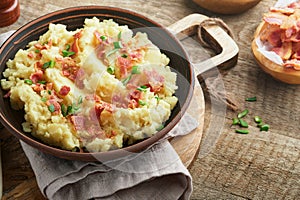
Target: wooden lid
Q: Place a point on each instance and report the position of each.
(10, 13)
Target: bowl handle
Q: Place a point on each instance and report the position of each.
(215, 36)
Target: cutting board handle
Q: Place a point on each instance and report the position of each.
(215, 36)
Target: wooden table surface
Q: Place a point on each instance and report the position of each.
(260, 165)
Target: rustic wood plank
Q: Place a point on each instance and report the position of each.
(260, 165)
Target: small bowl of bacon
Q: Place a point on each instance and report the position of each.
(276, 44)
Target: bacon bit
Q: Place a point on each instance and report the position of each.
(38, 66)
(75, 46)
(78, 122)
(136, 95)
(56, 105)
(133, 104)
(49, 86)
(124, 64)
(39, 46)
(64, 90)
(98, 36)
(136, 56)
(98, 109)
(93, 97)
(7, 95)
(36, 76)
(155, 80)
(79, 78)
(30, 55)
(38, 87)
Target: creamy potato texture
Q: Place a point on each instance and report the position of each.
(97, 88)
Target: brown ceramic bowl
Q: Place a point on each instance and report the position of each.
(73, 18)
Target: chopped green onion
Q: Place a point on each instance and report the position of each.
(235, 121)
(67, 53)
(42, 82)
(242, 131)
(160, 127)
(68, 47)
(44, 99)
(118, 45)
(260, 124)
(243, 114)
(70, 110)
(80, 100)
(28, 81)
(135, 69)
(120, 35)
(264, 127)
(142, 103)
(126, 80)
(51, 108)
(37, 51)
(251, 99)
(257, 119)
(111, 70)
(111, 52)
(243, 123)
(103, 37)
(142, 88)
(49, 92)
(50, 64)
(124, 56)
(157, 98)
(64, 111)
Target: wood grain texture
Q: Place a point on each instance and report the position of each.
(260, 165)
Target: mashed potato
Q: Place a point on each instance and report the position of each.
(97, 88)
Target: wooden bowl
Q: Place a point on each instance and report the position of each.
(279, 72)
(74, 18)
(9, 12)
(227, 6)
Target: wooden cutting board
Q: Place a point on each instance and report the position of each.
(18, 177)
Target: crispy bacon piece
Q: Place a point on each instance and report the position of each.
(30, 55)
(64, 90)
(285, 51)
(274, 18)
(286, 11)
(78, 122)
(156, 80)
(75, 46)
(55, 103)
(294, 63)
(98, 36)
(124, 65)
(272, 34)
(37, 76)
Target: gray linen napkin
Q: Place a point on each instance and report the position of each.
(156, 173)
